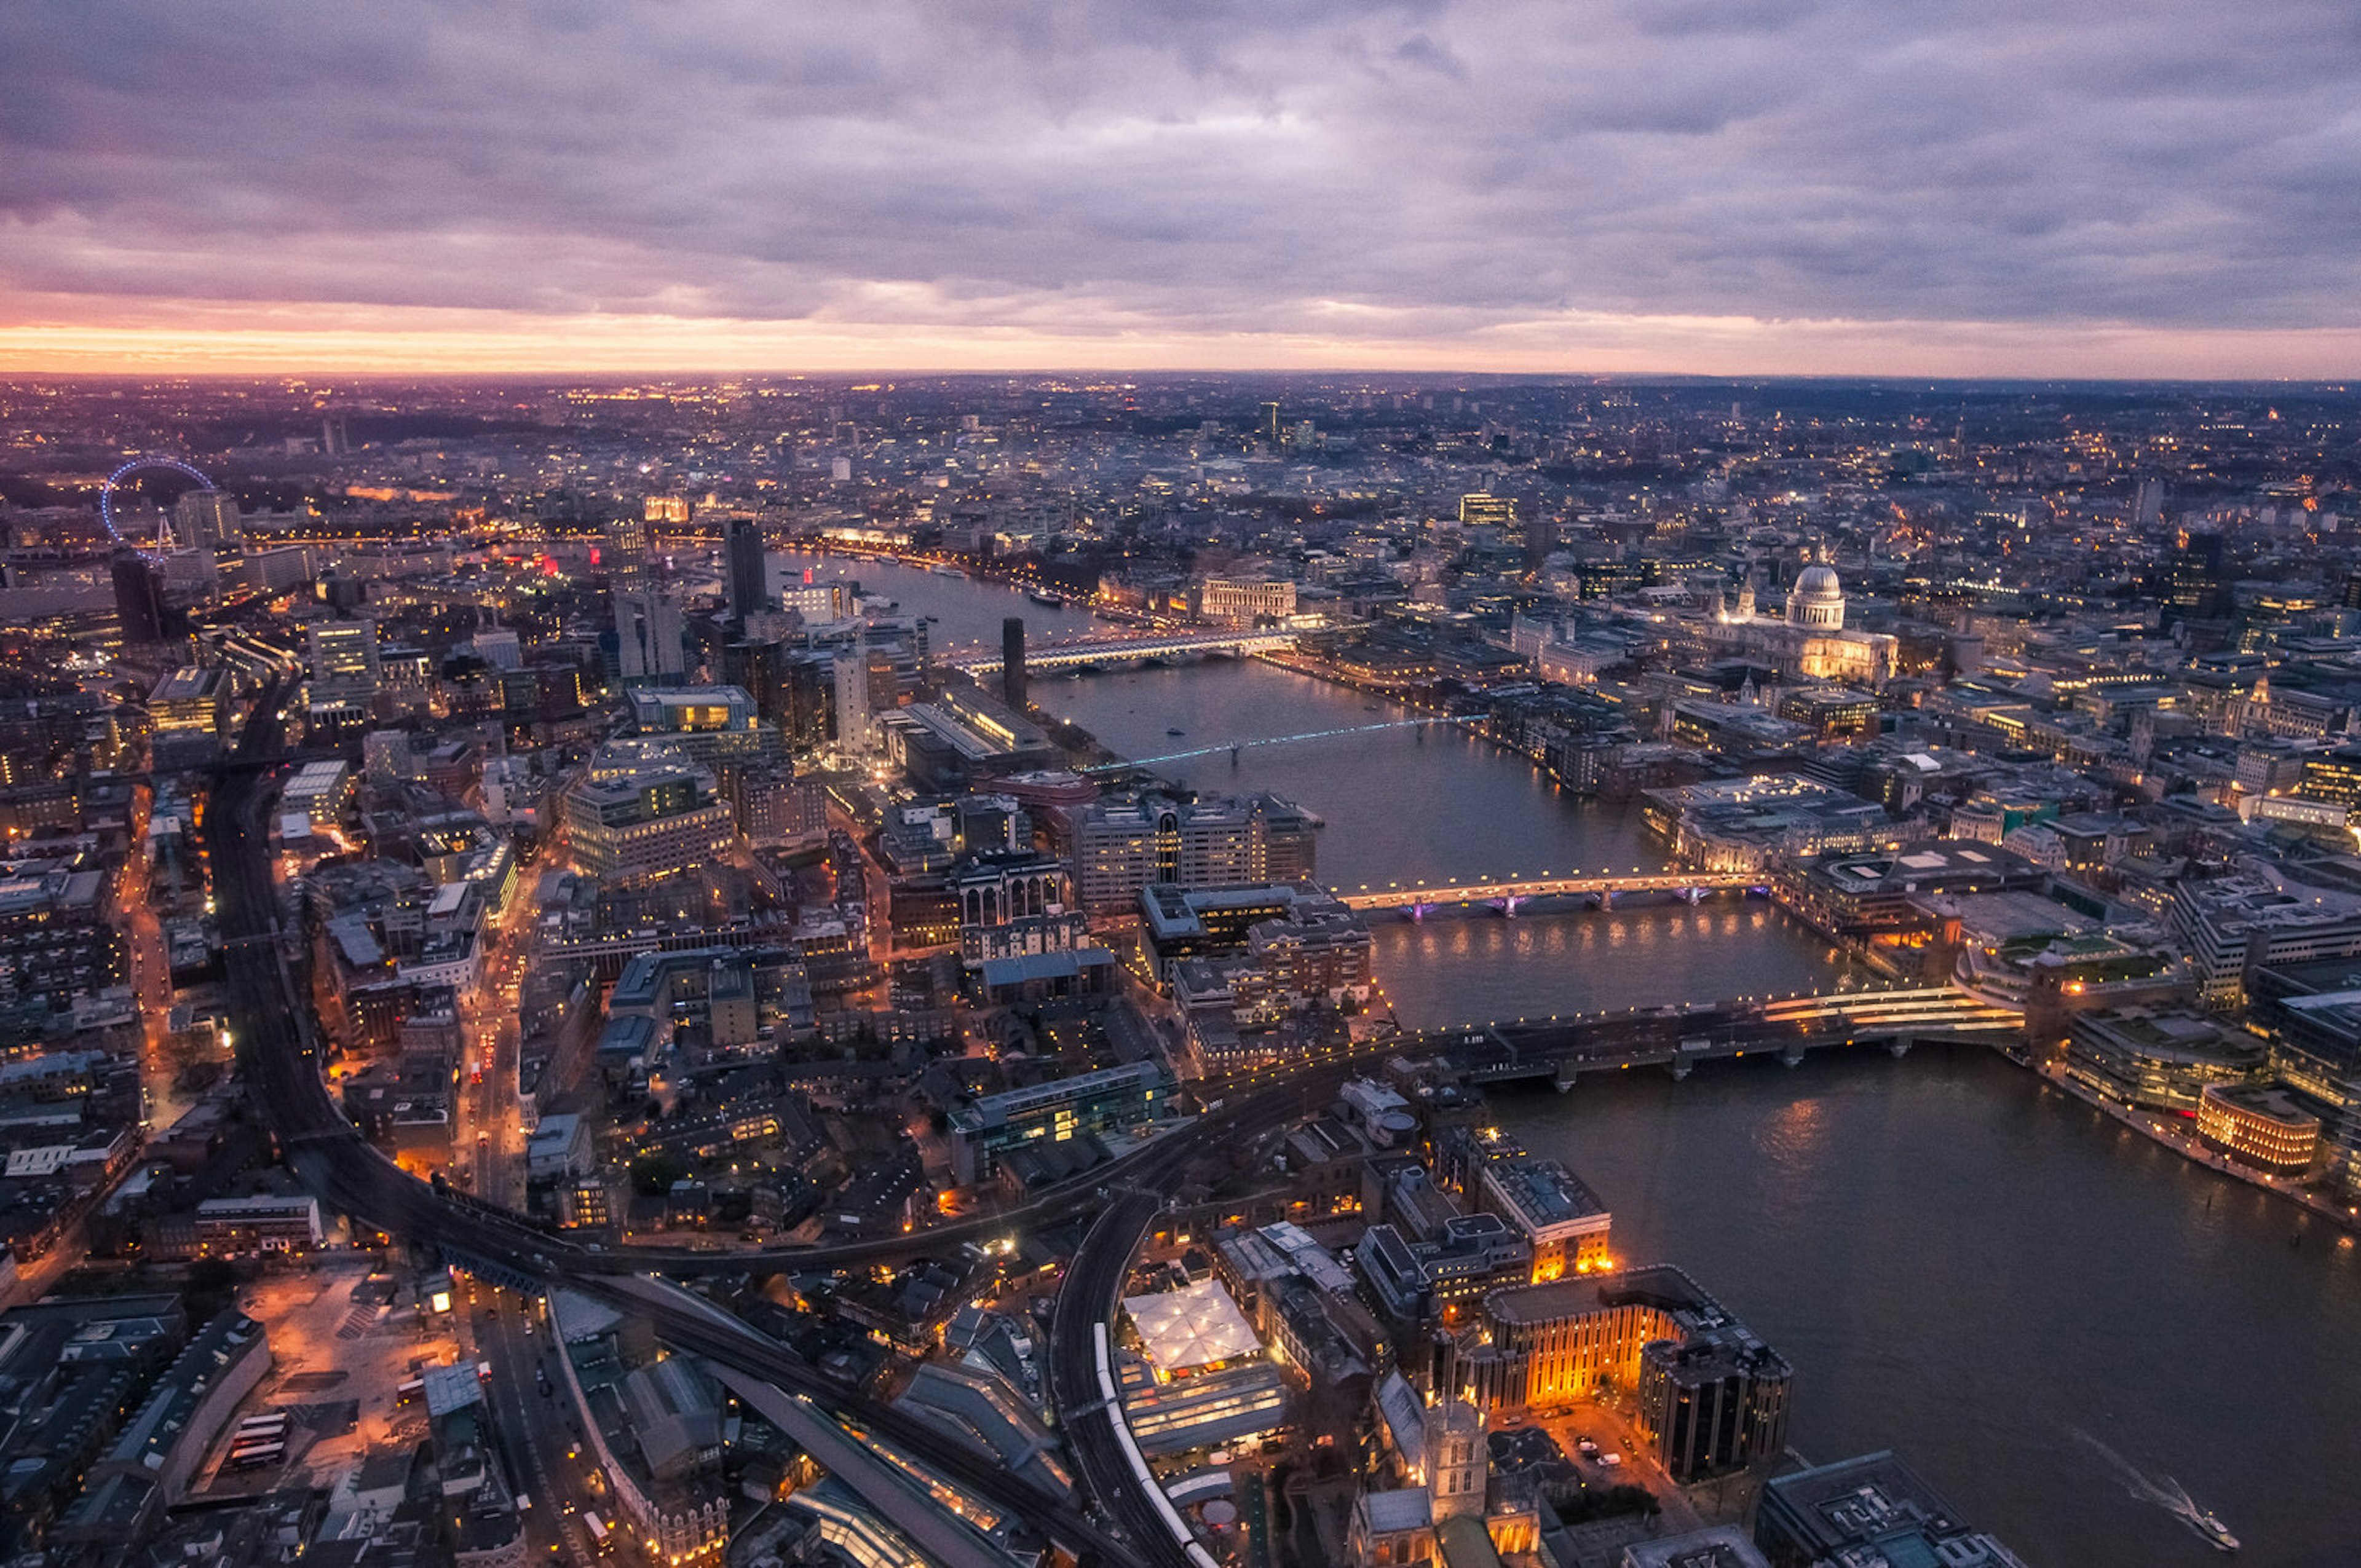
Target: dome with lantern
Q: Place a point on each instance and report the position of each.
(1816, 602)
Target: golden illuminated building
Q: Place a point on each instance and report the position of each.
(1810, 640)
(1552, 1208)
(1709, 1395)
(1482, 510)
(1554, 1343)
(2257, 1126)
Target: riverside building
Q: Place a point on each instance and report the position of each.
(2311, 1014)
(1552, 1208)
(2258, 1126)
(1711, 1395)
(1872, 1508)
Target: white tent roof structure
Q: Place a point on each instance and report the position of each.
(1199, 1326)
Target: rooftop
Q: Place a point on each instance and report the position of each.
(1545, 1193)
(1196, 1326)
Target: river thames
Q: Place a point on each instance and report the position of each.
(2034, 1306)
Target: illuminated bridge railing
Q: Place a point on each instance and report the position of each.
(1576, 883)
(1933, 1005)
(1678, 1035)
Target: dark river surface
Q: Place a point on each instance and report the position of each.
(2043, 1312)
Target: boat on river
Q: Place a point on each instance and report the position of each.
(2204, 1521)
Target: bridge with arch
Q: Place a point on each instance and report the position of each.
(1122, 650)
(1509, 893)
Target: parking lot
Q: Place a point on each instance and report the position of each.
(342, 1344)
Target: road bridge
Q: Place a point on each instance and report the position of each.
(1509, 893)
(1123, 650)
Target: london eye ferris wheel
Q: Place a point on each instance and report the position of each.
(152, 550)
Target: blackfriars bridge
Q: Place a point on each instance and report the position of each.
(1509, 893)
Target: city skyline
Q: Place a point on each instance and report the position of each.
(1809, 189)
(1215, 972)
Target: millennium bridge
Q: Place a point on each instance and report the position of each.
(1121, 650)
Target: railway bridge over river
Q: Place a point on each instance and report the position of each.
(1676, 1037)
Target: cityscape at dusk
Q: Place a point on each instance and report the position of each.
(1758, 187)
(1417, 785)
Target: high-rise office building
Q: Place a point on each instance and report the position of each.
(1483, 510)
(815, 601)
(852, 681)
(2197, 588)
(345, 651)
(706, 724)
(138, 598)
(748, 577)
(623, 553)
(208, 519)
(1540, 538)
(648, 644)
(1012, 662)
(192, 575)
(192, 699)
(1271, 422)
(984, 1133)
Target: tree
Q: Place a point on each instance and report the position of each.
(654, 1174)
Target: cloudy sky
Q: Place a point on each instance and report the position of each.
(2090, 187)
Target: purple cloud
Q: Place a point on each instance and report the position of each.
(1395, 171)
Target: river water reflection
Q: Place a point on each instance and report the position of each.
(2028, 1301)
(1437, 805)
(2031, 1302)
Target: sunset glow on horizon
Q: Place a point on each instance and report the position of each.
(289, 340)
(1801, 187)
